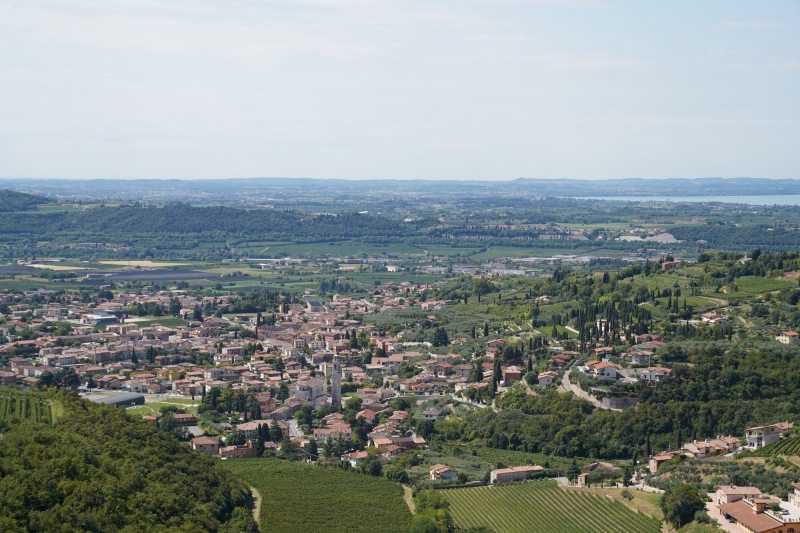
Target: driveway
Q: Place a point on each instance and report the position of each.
(579, 392)
(715, 515)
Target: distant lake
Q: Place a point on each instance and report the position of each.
(770, 199)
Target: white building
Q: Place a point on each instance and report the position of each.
(788, 337)
(654, 374)
(760, 436)
(311, 390)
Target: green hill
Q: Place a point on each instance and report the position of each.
(97, 469)
(19, 201)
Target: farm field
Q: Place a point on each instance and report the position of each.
(139, 263)
(298, 497)
(753, 284)
(27, 406)
(543, 506)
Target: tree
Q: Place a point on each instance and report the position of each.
(313, 451)
(485, 330)
(397, 473)
(371, 466)
(680, 503)
(440, 337)
(275, 432)
(482, 286)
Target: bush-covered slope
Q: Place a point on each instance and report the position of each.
(19, 201)
(99, 470)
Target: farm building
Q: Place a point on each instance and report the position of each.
(122, 400)
(515, 473)
(442, 472)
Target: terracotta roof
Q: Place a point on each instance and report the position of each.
(744, 491)
(205, 440)
(745, 515)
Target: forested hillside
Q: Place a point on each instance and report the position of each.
(99, 470)
(19, 201)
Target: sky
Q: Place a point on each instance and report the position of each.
(378, 89)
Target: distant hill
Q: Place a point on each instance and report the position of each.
(19, 201)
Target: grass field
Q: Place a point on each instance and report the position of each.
(299, 497)
(155, 407)
(543, 506)
(142, 264)
(166, 321)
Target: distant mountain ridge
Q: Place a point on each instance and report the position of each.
(171, 189)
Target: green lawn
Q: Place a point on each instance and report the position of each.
(297, 497)
(543, 506)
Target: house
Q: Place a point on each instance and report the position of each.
(206, 445)
(247, 451)
(433, 413)
(512, 374)
(654, 374)
(702, 448)
(463, 371)
(732, 493)
(638, 357)
(443, 472)
(355, 458)
(657, 460)
(515, 473)
(547, 378)
(753, 514)
(794, 496)
(603, 351)
(788, 337)
(601, 369)
(760, 436)
(712, 318)
(315, 306)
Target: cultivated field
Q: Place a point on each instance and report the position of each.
(543, 506)
(790, 446)
(138, 263)
(298, 497)
(25, 405)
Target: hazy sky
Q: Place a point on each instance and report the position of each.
(480, 89)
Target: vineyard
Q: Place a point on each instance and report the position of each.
(790, 446)
(543, 506)
(298, 497)
(25, 405)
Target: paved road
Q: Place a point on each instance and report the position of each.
(577, 391)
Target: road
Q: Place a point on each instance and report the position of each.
(577, 391)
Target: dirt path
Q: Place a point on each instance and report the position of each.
(408, 496)
(256, 506)
(718, 301)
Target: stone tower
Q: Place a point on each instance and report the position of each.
(336, 383)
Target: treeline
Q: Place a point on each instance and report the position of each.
(19, 201)
(184, 219)
(739, 238)
(97, 469)
(716, 389)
